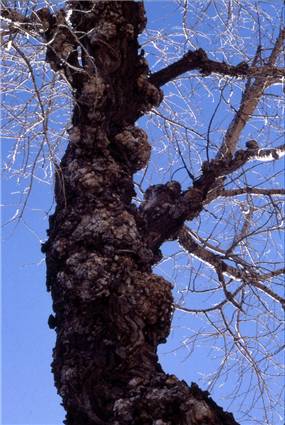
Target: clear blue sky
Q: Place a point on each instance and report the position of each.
(29, 396)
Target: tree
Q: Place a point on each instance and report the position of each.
(111, 310)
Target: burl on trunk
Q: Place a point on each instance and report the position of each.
(111, 311)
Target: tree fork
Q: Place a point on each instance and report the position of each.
(111, 311)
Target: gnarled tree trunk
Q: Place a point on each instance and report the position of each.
(111, 311)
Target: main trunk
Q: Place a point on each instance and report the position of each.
(111, 311)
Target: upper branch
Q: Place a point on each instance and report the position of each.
(198, 59)
(14, 22)
(245, 274)
(250, 98)
(53, 29)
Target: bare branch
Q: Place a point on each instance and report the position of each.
(246, 274)
(16, 22)
(12, 16)
(252, 191)
(198, 59)
(166, 208)
(249, 101)
(60, 41)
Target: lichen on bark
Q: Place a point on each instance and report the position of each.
(111, 311)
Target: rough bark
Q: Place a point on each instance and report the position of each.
(111, 311)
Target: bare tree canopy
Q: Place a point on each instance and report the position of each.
(165, 143)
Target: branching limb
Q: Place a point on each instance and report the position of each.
(53, 29)
(170, 208)
(211, 182)
(244, 274)
(15, 22)
(198, 59)
(13, 18)
(251, 96)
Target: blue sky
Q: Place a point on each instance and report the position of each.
(29, 396)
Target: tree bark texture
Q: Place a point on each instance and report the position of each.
(111, 311)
